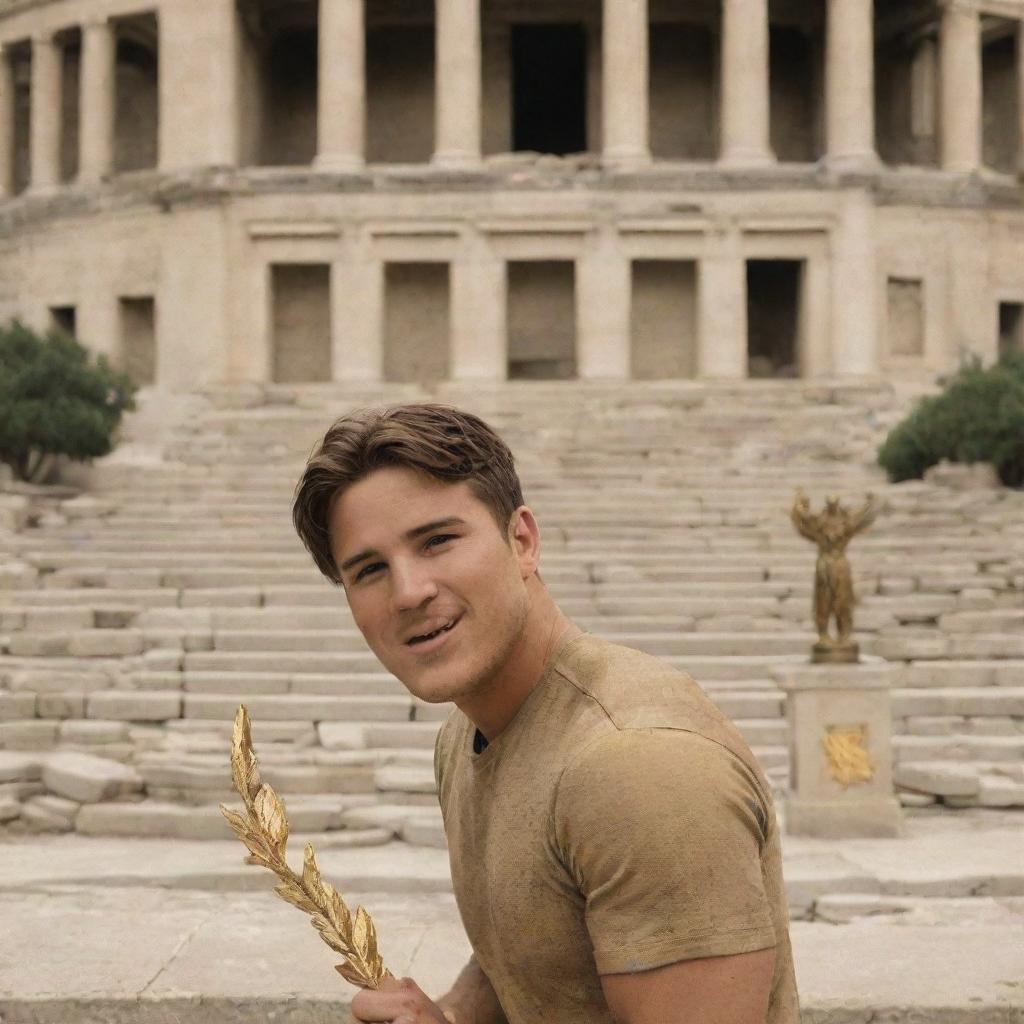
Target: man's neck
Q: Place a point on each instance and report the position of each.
(492, 711)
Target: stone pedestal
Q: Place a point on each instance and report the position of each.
(840, 751)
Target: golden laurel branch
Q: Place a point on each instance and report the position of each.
(264, 830)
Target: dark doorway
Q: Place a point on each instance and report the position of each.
(1011, 328)
(541, 316)
(549, 89)
(63, 318)
(138, 339)
(773, 317)
(417, 321)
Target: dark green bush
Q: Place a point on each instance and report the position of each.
(979, 417)
(55, 399)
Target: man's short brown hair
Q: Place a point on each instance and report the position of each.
(438, 440)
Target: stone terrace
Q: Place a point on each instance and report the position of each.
(134, 619)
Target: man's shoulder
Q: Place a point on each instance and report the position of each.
(635, 690)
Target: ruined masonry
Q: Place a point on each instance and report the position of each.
(135, 618)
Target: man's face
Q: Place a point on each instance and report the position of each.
(416, 556)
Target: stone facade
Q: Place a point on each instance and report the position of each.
(214, 191)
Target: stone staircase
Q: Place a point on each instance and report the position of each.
(135, 618)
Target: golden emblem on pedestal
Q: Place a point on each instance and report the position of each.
(264, 830)
(847, 754)
(832, 529)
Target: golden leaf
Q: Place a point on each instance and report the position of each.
(270, 812)
(264, 831)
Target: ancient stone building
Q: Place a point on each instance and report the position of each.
(357, 190)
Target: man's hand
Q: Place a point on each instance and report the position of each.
(398, 1001)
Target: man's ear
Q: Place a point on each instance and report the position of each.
(524, 539)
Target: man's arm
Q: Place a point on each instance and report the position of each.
(472, 999)
(714, 990)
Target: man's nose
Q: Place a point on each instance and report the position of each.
(411, 585)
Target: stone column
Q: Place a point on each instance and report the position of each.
(341, 115)
(479, 328)
(960, 71)
(45, 114)
(96, 137)
(1020, 98)
(624, 99)
(745, 89)
(602, 310)
(357, 317)
(459, 83)
(722, 309)
(6, 124)
(855, 288)
(199, 84)
(849, 84)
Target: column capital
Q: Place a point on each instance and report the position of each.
(95, 22)
(43, 37)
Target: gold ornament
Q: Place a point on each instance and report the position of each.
(848, 760)
(264, 830)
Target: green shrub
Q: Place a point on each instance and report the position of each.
(55, 399)
(979, 417)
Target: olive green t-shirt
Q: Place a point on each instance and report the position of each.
(619, 823)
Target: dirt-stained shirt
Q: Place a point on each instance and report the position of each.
(619, 823)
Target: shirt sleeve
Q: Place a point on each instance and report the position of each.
(663, 831)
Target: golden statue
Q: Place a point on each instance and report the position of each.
(832, 529)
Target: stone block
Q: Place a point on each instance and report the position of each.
(405, 779)
(126, 706)
(986, 645)
(152, 818)
(342, 735)
(15, 510)
(17, 576)
(938, 778)
(181, 619)
(907, 646)
(50, 680)
(42, 620)
(87, 507)
(9, 810)
(27, 735)
(39, 645)
(105, 643)
(935, 725)
(89, 779)
(60, 705)
(49, 814)
(997, 791)
(20, 767)
(17, 706)
(423, 832)
(910, 799)
(114, 618)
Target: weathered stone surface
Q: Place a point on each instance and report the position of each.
(39, 645)
(17, 706)
(103, 643)
(89, 731)
(937, 778)
(405, 779)
(60, 705)
(27, 735)
(89, 779)
(49, 814)
(52, 680)
(126, 706)
(20, 767)
(996, 791)
(342, 735)
(9, 809)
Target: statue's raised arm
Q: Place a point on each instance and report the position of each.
(806, 524)
(862, 518)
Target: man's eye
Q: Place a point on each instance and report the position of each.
(367, 569)
(441, 538)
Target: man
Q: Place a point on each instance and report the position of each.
(614, 850)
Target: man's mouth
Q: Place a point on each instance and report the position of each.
(424, 637)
